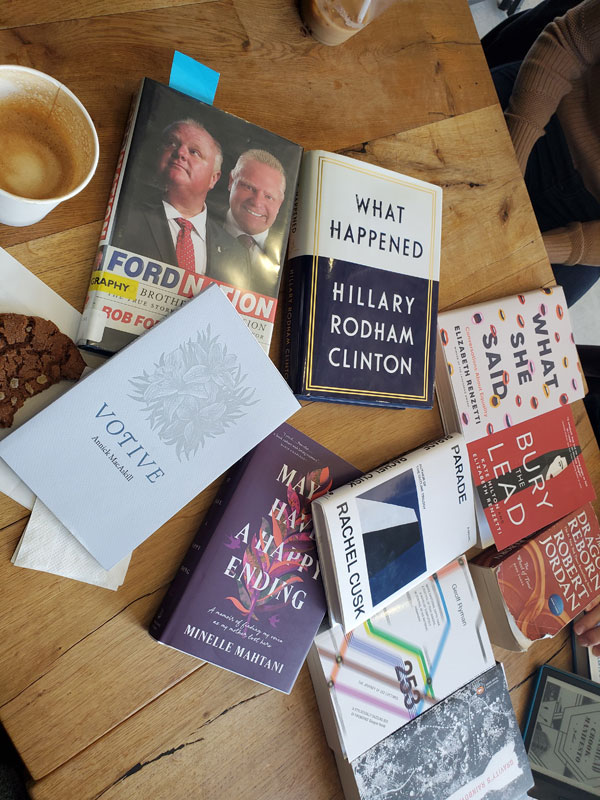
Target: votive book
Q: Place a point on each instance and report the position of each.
(389, 670)
(248, 595)
(126, 448)
(386, 531)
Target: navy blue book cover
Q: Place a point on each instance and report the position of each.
(362, 285)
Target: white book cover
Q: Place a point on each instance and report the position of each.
(126, 448)
(506, 361)
(389, 529)
(411, 655)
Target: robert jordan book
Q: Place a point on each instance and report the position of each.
(248, 595)
(362, 293)
(535, 587)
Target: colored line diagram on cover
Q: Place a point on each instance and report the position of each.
(385, 648)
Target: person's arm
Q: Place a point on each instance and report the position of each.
(559, 56)
(586, 628)
(578, 243)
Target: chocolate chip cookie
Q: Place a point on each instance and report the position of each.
(34, 354)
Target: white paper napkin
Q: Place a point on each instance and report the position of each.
(46, 545)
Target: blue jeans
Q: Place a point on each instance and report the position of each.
(556, 190)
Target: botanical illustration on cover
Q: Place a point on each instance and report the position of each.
(274, 553)
(194, 393)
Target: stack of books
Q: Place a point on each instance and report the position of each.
(506, 373)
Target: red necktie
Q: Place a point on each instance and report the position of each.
(184, 249)
(246, 240)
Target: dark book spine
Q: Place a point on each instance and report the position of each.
(85, 335)
(160, 624)
(293, 328)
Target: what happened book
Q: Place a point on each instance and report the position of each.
(138, 278)
(248, 595)
(505, 361)
(528, 476)
(121, 452)
(533, 588)
(362, 293)
(386, 531)
(389, 670)
(466, 746)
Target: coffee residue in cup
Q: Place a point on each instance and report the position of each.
(35, 156)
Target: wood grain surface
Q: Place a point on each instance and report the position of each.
(96, 707)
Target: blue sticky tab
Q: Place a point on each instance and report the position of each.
(193, 78)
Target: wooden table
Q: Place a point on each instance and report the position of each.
(93, 704)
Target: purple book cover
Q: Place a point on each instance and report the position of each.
(248, 596)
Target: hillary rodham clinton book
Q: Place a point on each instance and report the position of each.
(363, 273)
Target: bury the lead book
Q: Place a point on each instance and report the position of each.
(383, 533)
(362, 293)
(199, 196)
(120, 453)
(248, 596)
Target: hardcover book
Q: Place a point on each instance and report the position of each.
(415, 652)
(383, 533)
(248, 596)
(363, 274)
(466, 746)
(121, 452)
(505, 361)
(534, 588)
(528, 476)
(199, 197)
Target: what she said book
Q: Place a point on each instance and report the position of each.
(248, 596)
(363, 275)
(126, 448)
(384, 532)
(505, 361)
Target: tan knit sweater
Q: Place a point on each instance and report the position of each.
(561, 73)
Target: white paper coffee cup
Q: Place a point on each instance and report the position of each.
(48, 145)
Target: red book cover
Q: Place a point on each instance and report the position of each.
(528, 476)
(548, 579)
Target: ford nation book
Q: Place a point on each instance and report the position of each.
(231, 182)
(248, 596)
(362, 294)
(533, 588)
(116, 456)
(528, 476)
(415, 652)
(383, 533)
(505, 361)
(467, 747)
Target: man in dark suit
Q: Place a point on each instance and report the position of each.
(175, 227)
(256, 192)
